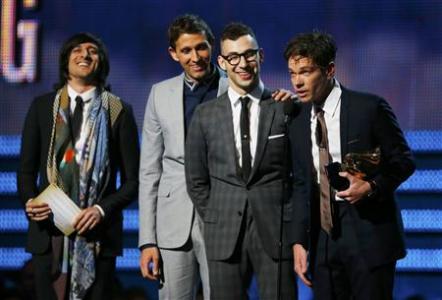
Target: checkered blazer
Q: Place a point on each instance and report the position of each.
(217, 188)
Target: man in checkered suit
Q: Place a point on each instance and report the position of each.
(236, 170)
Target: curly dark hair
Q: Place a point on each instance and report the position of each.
(318, 46)
(102, 71)
(188, 24)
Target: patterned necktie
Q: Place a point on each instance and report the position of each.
(77, 117)
(245, 138)
(324, 159)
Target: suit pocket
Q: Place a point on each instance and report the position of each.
(276, 136)
(210, 216)
(275, 147)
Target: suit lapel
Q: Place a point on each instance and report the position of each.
(344, 122)
(176, 107)
(266, 114)
(226, 131)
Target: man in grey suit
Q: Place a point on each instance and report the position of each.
(237, 176)
(169, 227)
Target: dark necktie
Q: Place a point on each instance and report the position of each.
(245, 138)
(324, 159)
(77, 117)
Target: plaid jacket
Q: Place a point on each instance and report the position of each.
(215, 184)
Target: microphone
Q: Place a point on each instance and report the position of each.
(292, 108)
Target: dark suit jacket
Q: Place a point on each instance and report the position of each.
(367, 121)
(216, 187)
(124, 157)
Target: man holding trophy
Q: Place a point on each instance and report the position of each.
(349, 156)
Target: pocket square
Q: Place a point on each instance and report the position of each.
(275, 136)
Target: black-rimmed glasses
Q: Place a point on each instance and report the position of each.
(235, 58)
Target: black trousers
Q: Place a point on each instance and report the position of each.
(229, 279)
(340, 270)
(101, 289)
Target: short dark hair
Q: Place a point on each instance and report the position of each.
(318, 46)
(235, 30)
(102, 71)
(190, 24)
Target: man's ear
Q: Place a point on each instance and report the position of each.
(261, 55)
(222, 63)
(330, 71)
(172, 53)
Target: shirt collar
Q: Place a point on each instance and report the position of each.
(255, 95)
(86, 96)
(192, 84)
(333, 99)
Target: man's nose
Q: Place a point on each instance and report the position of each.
(297, 81)
(85, 53)
(194, 55)
(242, 61)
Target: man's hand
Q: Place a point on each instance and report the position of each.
(87, 219)
(282, 95)
(357, 190)
(300, 263)
(150, 255)
(37, 212)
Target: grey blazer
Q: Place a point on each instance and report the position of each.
(217, 189)
(165, 209)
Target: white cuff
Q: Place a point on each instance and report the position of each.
(100, 210)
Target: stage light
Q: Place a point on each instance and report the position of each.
(13, 220)
(8, 183)
(422, 220)
(423, 181)
(9, 145)
(13, 258)
(421, 260)
(419, 141)
(415, 220)
(424, 140)
(417, 260)
(420, 181)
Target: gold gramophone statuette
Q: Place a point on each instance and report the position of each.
(362, 165)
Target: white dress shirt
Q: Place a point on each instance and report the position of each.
(87, 97)
(332, 114)
(254, 109)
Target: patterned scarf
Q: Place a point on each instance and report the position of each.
(83, 182)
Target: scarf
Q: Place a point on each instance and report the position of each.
(83, 182)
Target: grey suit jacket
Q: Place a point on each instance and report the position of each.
(216, 187)
(165, 210)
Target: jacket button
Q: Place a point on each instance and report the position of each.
(240, 213)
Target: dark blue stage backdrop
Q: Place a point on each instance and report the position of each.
(392, 48)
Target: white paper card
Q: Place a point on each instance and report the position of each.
(64, 209)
